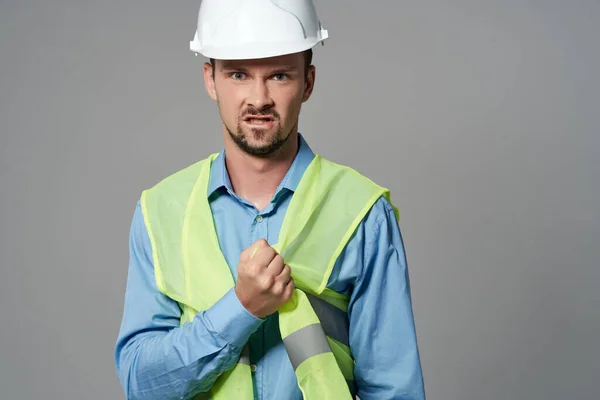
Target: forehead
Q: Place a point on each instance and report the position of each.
(288, 61)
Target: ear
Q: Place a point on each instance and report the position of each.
(209, 80)
(309, 83)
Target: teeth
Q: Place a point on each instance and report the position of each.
(257, 121)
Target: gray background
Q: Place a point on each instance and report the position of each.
(482, 117)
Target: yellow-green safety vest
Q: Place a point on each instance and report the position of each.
(326, 208)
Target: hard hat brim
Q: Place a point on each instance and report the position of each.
(254, 50)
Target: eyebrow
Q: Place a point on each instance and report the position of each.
(231, 67)
(286, 68)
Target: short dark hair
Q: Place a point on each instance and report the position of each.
(308, 55)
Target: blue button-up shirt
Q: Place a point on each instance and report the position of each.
(157, 359)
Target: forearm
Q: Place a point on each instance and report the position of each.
(180, 362)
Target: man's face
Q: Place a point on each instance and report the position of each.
(259, 100)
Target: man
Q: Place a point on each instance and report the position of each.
(265, 271)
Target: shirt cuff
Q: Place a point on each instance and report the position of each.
(230, 319)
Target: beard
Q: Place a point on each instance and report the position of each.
(268, 145)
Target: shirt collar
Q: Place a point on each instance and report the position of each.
(219, 178)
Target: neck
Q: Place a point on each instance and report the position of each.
(254, 178)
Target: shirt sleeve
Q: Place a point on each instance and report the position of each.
(382, 328)
(155, 357)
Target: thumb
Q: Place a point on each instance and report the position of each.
(254, 248)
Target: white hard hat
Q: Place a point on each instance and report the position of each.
(246, 29)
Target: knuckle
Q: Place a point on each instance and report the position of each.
(278, 260)
(267, 282)
(278, 289)
(270, 252)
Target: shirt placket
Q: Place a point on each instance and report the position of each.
(259, 230)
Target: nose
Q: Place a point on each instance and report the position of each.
(259, 96)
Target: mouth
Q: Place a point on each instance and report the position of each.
(259, 120)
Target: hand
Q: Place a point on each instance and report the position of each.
(264, 282)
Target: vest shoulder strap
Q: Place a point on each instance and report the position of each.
(330, 202)
(164, 207)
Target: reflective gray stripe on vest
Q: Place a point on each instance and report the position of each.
(305, 343)
(334, 321)
(245, 355)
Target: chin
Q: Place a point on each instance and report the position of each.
(261, 136)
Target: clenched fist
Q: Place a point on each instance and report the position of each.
(264, 282)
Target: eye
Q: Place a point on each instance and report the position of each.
(238, 75)
(280, 77)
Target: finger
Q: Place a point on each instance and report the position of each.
(285, 275)
(275, 266)
(289, 290)
(281, 282)
(284, 278)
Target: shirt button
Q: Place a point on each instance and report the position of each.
(253, 368)
(259, 219)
